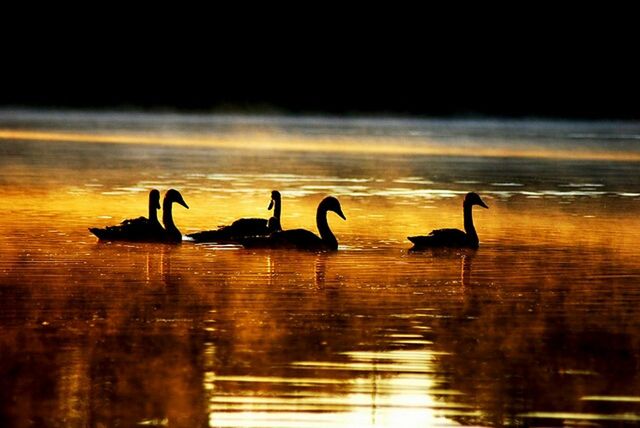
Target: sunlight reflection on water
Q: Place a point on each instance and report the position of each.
(539, 326)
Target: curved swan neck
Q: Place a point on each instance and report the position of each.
(323, 227)
(469, 228)
(167, 218)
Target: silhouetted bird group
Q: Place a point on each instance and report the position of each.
(268, 233)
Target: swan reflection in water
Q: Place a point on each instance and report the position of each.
(310, 268)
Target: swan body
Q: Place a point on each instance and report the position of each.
(149, 229)
(303, 239)
(453, 238)
(138, 229)
(244, 227)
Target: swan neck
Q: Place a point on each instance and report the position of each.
(274, 221)
(323, 227)
(153, 213)
(469, 228)
(167, 218)
(277, 209)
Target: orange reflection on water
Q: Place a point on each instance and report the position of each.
(372, 221)
(273, 140)
(269, 338)
(529, 328)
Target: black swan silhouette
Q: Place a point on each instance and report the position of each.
(453, 238)
(171, 232)
(300, 238)
(244, 227)
(147, 229)
(137, 229)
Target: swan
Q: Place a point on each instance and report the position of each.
(147, 230)
(300, 238)
(171, 232)
(453, 237)
(244, 227)
(137, 229)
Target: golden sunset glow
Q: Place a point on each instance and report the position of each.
(524, 330)
(277, 141)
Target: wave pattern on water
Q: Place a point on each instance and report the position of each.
(539, 326)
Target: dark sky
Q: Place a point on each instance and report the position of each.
(590, 78)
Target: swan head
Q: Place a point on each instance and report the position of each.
(332, 204)
(154, 199)
(174, 196)
(275, 196)
(473, 198)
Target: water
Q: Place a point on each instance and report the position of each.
(539, 327)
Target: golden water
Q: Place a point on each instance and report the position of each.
(540, 326)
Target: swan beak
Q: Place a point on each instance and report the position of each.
(483, 205)
(158, 205)
(339, 212)
(270, 204)
(183, 203)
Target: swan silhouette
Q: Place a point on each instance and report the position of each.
(453, 238)
(171, 232)
(137, 229)
(244, 227)
(147, 229)
(300, 238)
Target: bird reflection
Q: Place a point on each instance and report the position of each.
(467, 262)
(279, 264)
(158, 262)
(472, 295)
(320, 270)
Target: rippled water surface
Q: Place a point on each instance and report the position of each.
(539, 327)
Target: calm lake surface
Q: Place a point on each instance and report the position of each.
(539, 327)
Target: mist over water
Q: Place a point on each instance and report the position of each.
(540, 326)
